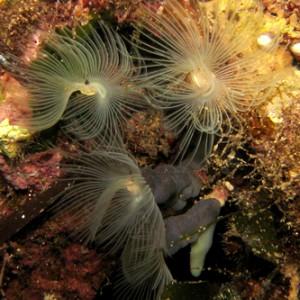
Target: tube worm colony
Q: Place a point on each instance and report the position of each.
(202, 68)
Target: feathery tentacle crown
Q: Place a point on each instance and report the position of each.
(204, 66)
(86, 81)
(115, 208)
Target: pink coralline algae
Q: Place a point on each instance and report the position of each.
(37, 171)
(46, 265)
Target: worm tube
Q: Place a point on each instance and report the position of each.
(172, 185)
(184, 229)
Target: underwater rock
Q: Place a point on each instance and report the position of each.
(37, 170)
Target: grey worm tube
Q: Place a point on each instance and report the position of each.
(196, 227)
(202, 214)
(172, 185)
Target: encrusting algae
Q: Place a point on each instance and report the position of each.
(11, 136)
(215, 74)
